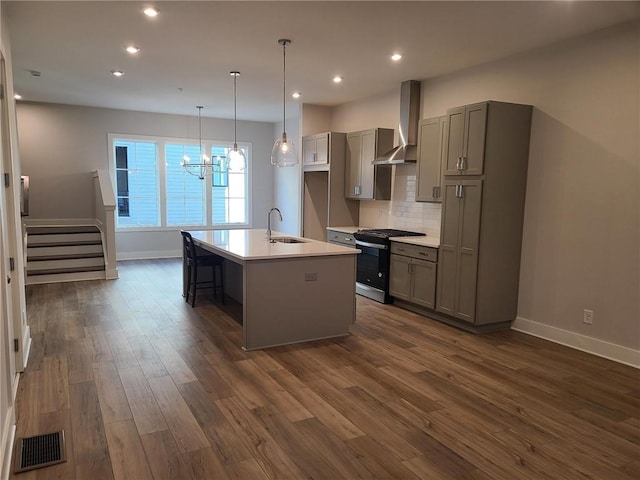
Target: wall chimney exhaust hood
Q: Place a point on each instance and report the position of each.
(407, 151)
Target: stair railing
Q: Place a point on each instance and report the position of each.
(105, 217)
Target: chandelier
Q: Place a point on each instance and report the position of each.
(205, 166)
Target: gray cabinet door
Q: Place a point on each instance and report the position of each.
(475, 127)
(400, 277)
(352, 177)
(308, 150)
(367, 170)
(466, 140)
(458, 255)
(423, 287)
(322, 149)
(455, 141)
(470, 201)
(432, 134)
(315, 149)
(448, 251)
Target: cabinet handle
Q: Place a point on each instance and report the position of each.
(458, 191)
(422, 253)
(434, 192)
(459, 164)
(438, 190)
(315, 157)
(461, 191)
(400, 249)
(463, 163)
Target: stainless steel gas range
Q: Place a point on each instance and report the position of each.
(374, 261)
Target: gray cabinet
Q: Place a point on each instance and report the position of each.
(365, 181)
(482, 214)
(315, 149)
(323, 201)
(465, 146)
(413, 274)
(432, 141)
(459, 248)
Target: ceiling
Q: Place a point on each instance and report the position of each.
(189, 49)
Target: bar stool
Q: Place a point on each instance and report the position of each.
(195, 260)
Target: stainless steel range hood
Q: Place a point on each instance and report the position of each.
(407, 151)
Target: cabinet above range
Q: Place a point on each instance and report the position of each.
(364, 181)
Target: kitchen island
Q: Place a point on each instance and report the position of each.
(291, 292)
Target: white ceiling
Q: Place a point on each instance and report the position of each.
(193, 45)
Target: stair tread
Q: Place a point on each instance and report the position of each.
(56, 230)
(65, 270)
(65, 244)
(69, 256)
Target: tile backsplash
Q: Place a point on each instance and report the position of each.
(402, 211)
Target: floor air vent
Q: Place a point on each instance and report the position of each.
(39, 451)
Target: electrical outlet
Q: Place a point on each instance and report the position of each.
(588, 317)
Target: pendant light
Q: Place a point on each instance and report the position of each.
(284, 151)
(204, 166)
(236, 159)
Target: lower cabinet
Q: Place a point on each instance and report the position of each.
(413, 274)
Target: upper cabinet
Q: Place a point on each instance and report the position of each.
(315, 149)
(365, 181)
(324, 204)
(465, 146)
(432, 141)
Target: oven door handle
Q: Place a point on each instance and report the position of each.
(371, 245)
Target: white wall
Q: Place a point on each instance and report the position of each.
(581, 236)
(287, 183)
(61, 145)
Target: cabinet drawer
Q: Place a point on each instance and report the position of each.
(415, 251)
(341, 238)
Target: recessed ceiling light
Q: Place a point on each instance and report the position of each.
(117, 73)
(151, 12)
(337, 79)
(17, 96)
(396, 56)
(296, 94)
(132, 49)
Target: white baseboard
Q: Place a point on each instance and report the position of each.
(111, 273)
(601, 348)
(6, 448)
(149, 255)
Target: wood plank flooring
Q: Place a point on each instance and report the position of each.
(148, 388)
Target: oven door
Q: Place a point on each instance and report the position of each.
(373, 265)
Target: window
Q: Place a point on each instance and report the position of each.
(154, 190)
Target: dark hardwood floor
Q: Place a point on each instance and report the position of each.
(147, 387)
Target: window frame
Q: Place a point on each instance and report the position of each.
(160, 142)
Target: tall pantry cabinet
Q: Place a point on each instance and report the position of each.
(485, 170)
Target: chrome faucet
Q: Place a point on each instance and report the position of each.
(269, 223)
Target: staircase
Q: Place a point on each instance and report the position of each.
(64, 254)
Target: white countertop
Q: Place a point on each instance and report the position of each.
(422, 241)
(252, 244)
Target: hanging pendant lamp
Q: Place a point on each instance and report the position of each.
(236, 159)
(204, 166)
(284, 151)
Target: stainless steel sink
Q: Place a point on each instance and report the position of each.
(287, 240)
